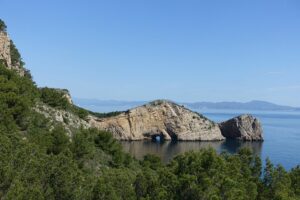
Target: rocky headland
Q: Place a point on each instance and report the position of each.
(171, 121)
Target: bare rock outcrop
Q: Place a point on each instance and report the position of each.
(5, 54)
(5, 48)
(66, 94)
(243, 127)
(160, 118)
(68, 120)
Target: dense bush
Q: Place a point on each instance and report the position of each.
(56, 99)
(2, 26)
(16, 58)
(80, 112)
(17, 96)
(105, 115)
(85, 168)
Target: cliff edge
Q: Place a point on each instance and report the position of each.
(170, 121)
(9, 55)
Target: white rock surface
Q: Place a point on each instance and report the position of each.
(5, 54)
(160, 118)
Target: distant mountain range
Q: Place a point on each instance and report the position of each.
(114, 105)
(252, 105)
(107, 105)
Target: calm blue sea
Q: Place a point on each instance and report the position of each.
(281, 133)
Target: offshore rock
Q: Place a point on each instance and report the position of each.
(243, 127)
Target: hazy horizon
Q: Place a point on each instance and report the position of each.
(149, 100)
(185, 51)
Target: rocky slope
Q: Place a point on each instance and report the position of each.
(69, 120)
(165, 119)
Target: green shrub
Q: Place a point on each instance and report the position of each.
(2, 26)
(16, 58)
(54, 98)
(106, 115)
(80, 112)
(17, 96)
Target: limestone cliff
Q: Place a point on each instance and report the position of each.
(7, 48)
(160, 118)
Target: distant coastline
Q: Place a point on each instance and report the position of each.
(116, 105)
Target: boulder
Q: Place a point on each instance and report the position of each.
(243, 127)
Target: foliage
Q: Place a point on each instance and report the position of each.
(16, 58)
(56, 98)
(106, 115)
(2, 26)
(80, 112)
(17, 96)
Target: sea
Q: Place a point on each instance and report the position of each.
(281, 138)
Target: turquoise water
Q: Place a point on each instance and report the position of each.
(281, 134)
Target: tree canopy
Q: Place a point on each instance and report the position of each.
(2, 25)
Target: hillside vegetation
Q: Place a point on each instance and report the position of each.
(40, 160)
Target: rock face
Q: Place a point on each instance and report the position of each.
(160, 118)
(5, 48)
(244, 127)
(69, 120)
(5, 54)
(68, 97)
(66, 94)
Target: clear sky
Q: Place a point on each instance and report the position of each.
(183, 50)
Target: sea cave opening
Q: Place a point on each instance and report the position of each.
(162, 138)
(158, 138)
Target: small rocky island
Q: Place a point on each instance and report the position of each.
(170, 121)
(244, 127)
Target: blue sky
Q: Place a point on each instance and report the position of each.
(191, 50)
